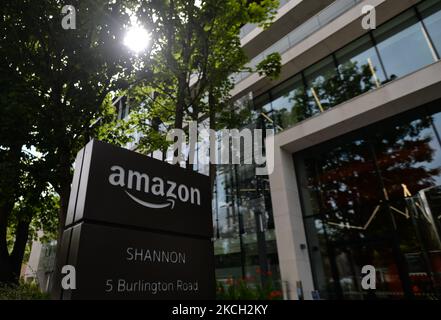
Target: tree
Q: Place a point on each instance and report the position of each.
(57, 86)
(34, 212)
(17, 105)
(83, 66)
(54, 82)
(187, 73)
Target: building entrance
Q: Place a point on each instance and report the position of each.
(373, 197)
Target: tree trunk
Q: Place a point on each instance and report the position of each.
(180, 103)
(6, 206)
(21, 239)
(179, 112)
(6, 270)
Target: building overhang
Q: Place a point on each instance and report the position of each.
(322, 43)
(288, 17)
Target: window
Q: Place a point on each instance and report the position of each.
(397, 48)
(322, 86)
(289, 102)
(360, 67)
(431, 13)
(403, 46)
(262, 103)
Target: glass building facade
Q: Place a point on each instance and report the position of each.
(373, 197)
(369, 197)
(245, 244)
(395, 49)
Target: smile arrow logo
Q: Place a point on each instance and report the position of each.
(170, 202)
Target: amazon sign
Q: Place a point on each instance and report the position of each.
(136, 223)
(155, 186)
(115, 185)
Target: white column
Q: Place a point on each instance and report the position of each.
(290, 234)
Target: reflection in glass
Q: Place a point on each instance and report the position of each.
(245, 245)
(403, 46)
(319, 256)
(289, 103)
(264, 114)
(342, 185)
(374, 197)
(322, 79)
(360, 67)
(350, 261)
(431, 12)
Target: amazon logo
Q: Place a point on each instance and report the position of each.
(168, 192)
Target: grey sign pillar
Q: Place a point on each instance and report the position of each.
(136, 228)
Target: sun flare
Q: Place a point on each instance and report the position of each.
(137, 38)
